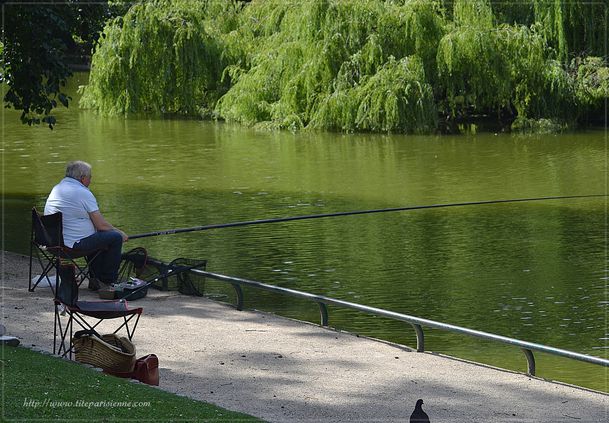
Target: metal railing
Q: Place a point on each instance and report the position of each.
(417, 322)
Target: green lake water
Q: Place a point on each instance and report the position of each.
(534, 271)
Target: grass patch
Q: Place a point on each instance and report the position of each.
(41, 387)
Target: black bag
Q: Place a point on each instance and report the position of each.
(67, 292)
(133, 289)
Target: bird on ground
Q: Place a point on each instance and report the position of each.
(418, 415)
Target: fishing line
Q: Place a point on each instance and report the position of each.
(356, 212)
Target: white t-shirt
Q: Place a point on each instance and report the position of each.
(75, 202)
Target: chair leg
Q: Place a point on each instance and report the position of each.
(83, 323)
(49, 263)
(71, 336)
(56, 263)
(83, 272)
(59, 347)
(31, 258)
(56, 317)
(45, 271)
(125, 325)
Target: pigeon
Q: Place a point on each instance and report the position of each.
(418, 415)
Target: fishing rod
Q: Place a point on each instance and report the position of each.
(356, 212)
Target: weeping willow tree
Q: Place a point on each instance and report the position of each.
(473, 69)
(162, 57)
(369, 65)
(572, 27)
(515, 70)
(356, 66)
(395, 98)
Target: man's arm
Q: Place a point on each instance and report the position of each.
(102, 224)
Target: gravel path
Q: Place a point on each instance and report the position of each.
(287, 371)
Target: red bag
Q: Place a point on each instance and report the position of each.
(146, 370)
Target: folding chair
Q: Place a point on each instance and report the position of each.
(86, 314)
(46, 244)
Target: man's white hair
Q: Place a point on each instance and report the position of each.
(77, 169)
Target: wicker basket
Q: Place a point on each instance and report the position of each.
(110, 352)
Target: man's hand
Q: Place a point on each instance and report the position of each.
(125, 236)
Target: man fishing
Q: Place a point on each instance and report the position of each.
(84, 227)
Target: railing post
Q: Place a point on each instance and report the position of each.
(530, 361)
(323, 311)
(420, 337)
(239, 293)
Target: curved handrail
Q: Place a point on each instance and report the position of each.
(417, 322)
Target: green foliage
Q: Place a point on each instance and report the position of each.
(513, 12)
(335, 64)
(392, 100)
(472, 66)
(367, 65)
(591, 86)
(473, 13)
(540, 85)
(592, 80)
(486, 67)
(573, 28)
(39, 42)
(160, 58)
(537, 126)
